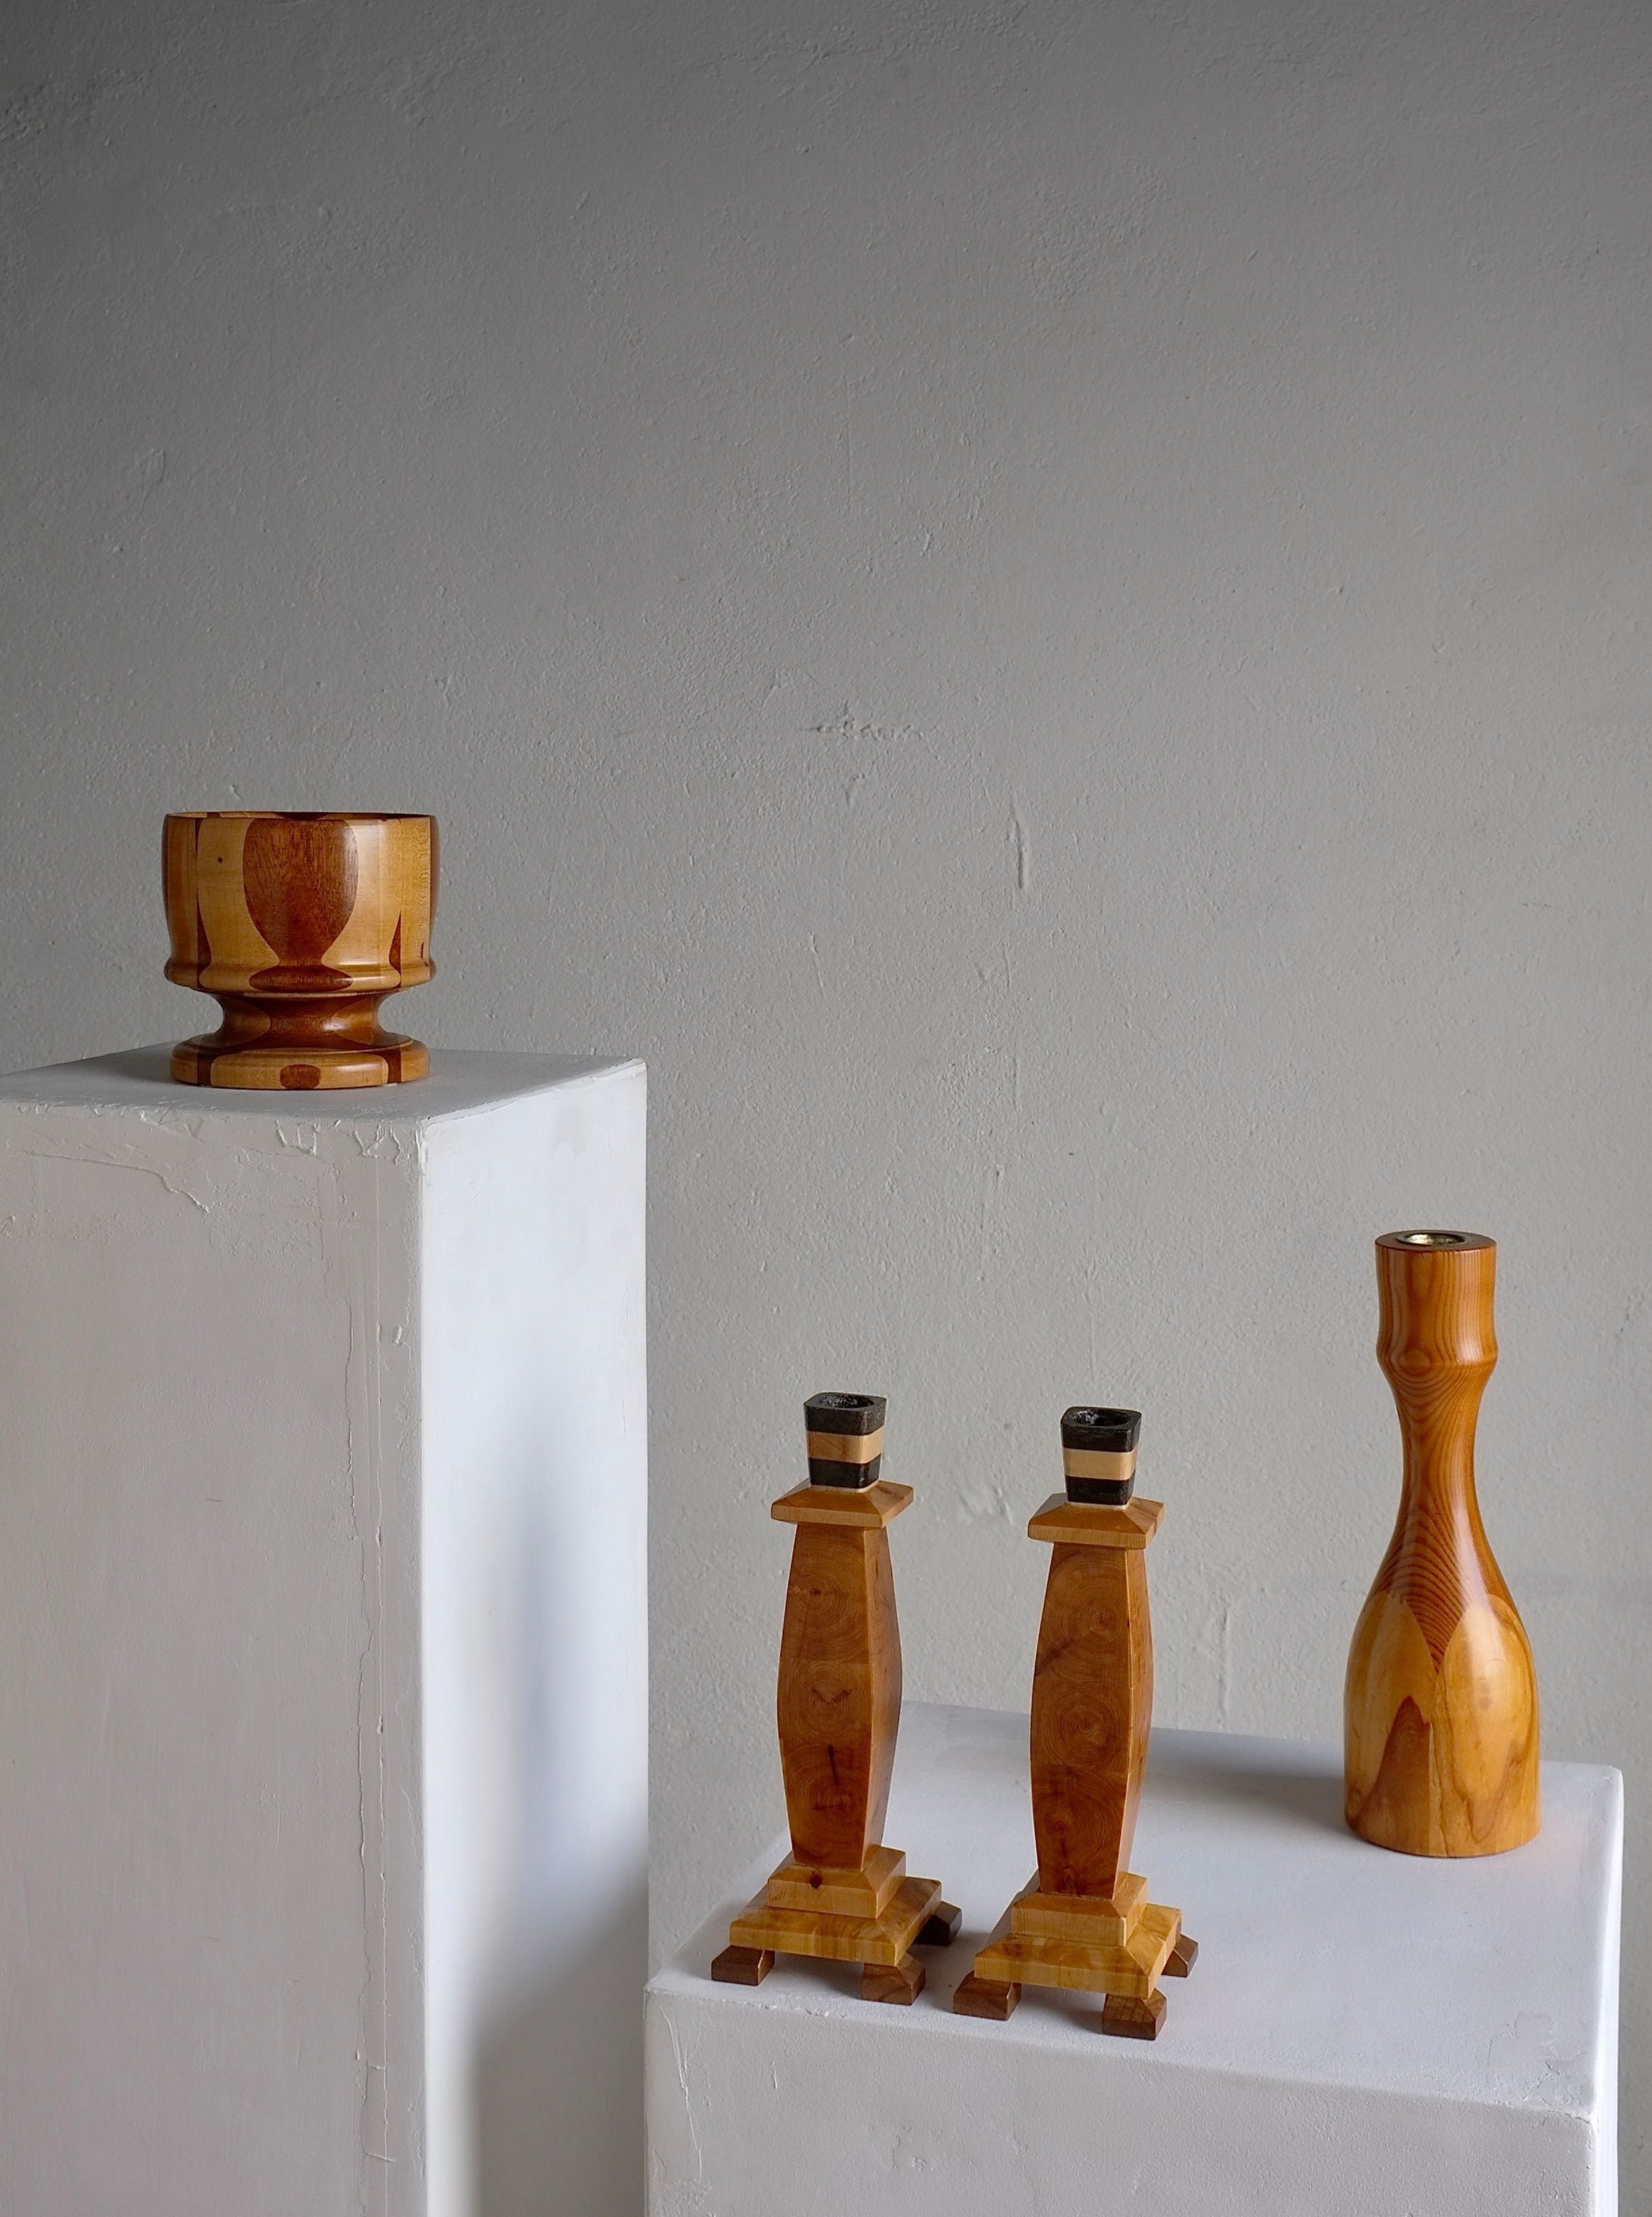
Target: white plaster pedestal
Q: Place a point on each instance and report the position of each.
(322, 1684)
(1364, 2035)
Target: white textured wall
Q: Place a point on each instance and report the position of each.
(1045, 605)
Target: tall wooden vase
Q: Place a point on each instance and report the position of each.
(1441, 1705)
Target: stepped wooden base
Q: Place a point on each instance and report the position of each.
(1120, 1947)
(873, 1917)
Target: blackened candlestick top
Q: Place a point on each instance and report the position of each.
(844, 1435)
(1098, 1454)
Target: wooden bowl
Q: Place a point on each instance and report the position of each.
(299, 926)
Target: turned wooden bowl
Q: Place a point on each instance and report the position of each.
(299, 926)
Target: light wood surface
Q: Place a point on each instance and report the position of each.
(1132, 1966)
(1441, 1700)
(839, 1692)
(883, 1940)
(844, 1447)
(1092, 1712)
(1107, 1920)
(842, 1895)
(1094, 1524)
(1115, 1467)
(1084, 1922)
(866, 1891)
(873, 1506)
(299, 926)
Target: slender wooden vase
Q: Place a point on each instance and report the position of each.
(841, 1895)
(1084, 1921)
(299, 926)
(1441, 1708)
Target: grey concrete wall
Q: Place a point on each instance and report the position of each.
(1045, 605)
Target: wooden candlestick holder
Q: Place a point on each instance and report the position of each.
(841, 1896)
(299, 926)
(1083, 1920)
(1441, 1703)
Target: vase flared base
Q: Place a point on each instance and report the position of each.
(285, 1070)
(320, 1043)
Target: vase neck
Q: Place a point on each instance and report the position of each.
(1438, 1416)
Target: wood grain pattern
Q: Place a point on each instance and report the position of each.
(992, 1998)
(1096, 1524)
(866, 1891)
(872, 1506)
(1084, 1922)
(300, 926)
(298, 880)
(1108, 1919)
(900, 1983)
(884, 1939)
(1441, 1703)
(839, 1692)
(1092, 1711)
(1127, 1967)
(844, 1447)
(742, 1966)
(1132, 2016)
(842, 1896)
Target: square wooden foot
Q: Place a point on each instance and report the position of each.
(900, 1982)
(1181, 1958)
(988, 1998)
(1133, 2017)
(742, 1966)
(941, 1928)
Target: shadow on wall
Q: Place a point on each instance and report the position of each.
(567, 2050)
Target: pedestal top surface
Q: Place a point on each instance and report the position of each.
(1322, 1960)
(461, 1081)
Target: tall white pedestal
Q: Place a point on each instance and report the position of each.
(1364, 2035)
(322, 1683)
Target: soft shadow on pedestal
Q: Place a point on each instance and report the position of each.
(1310, 1794)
